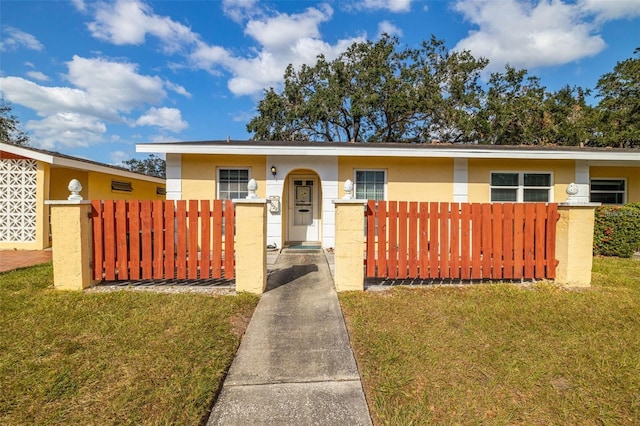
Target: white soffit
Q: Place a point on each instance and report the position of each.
(383, 151)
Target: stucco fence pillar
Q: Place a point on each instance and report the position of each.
(72, 241)
(251, 244)
(349, 249)
(574, 244)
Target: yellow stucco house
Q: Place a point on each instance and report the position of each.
(30, 176)
(302, 178)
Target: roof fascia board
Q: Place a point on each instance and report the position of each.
(385, 152)
(24, 152)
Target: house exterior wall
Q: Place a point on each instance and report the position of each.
(631, 174)
(415, 179)
(479, 172)
(200, 173)
(99, 188)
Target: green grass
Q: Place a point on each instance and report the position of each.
(112, 358)
(502, 354)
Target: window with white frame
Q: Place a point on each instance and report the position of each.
(232, 183)
(608, 191)
(518, 187)
(369, 184)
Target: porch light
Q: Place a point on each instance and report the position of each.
(274, 171)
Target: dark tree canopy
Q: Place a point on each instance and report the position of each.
(10, 127)
(152, 166)
(379, 92)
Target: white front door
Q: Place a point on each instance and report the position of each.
(304, 208)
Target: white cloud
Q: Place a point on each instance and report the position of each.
(100, 92)
(164, 118)
(386, 27)
(239, 10)
(129, 21)
(606, 10)
(117, 157)
(37, 75)
(15, 39)
(390, 5)
(67, 129)
(79, 5)
(527, 35)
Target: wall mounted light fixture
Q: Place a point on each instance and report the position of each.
(274, 171)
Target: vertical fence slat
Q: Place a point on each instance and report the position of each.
(476, 243)
(393, 239)
(465, 242)
(529, 239)
(121, 240)
(402, 239)
(371, 238)
(413, 240)
(109, 240)
(518, 241)
(169, 239)
(552, 219)
(158, 239)
(496, 267)
(205, 243)
(134, 239)
(455, 240)
(487, 246)
(381, 215)
(181, 231)
(434, 247)
(147, 249)
(216, 261)
(507, 240)
(540, 243)
(230, 215)
(424, 240)
(192, 240)
(444, 240)
(98, 243)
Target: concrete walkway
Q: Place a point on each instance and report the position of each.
(294, 365)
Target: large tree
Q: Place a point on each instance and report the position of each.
(10, 127)
(619, 106)
(375, 92)
(152, 166)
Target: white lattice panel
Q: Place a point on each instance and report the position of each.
(18, 187)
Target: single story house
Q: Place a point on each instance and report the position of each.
(29, 176)
(300, 179)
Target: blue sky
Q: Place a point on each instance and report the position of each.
(93, 78)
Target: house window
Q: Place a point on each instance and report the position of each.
(118, 185)
(520, 187)
(369, 184)
(608, 191)
(232, 183)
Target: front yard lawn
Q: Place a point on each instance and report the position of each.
(502, 354)
(112, 358)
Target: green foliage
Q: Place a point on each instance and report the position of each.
(619, 108)
(152, 166)
(10, 128)
(380, 92)
(617, 230)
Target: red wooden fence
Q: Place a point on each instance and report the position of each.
(468, 241)
(135, 240)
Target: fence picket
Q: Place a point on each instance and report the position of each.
(230, 220)
(496, 238)
(134, 240)
(216, 261)
(98, 244)
(371, 217)
(393, 239)
(552, 218)
(518, 241)
(507, 240)
(444, 240)
(205, 244)
(403, 252)
(158, 241)
(455, 240)
(381, 217)
(541, 221)
(181, 223)
(413, 241)
(529, 239)
(147, 247)
(424, 240)
(434, 247)
(109, 240)
(465, 242)
(192, 239)
(476, 241)
(169, 239)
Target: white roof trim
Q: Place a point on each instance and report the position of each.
(55, 160)
(382, 151)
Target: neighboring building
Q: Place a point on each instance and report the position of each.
(30, 176)
(301, 178)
